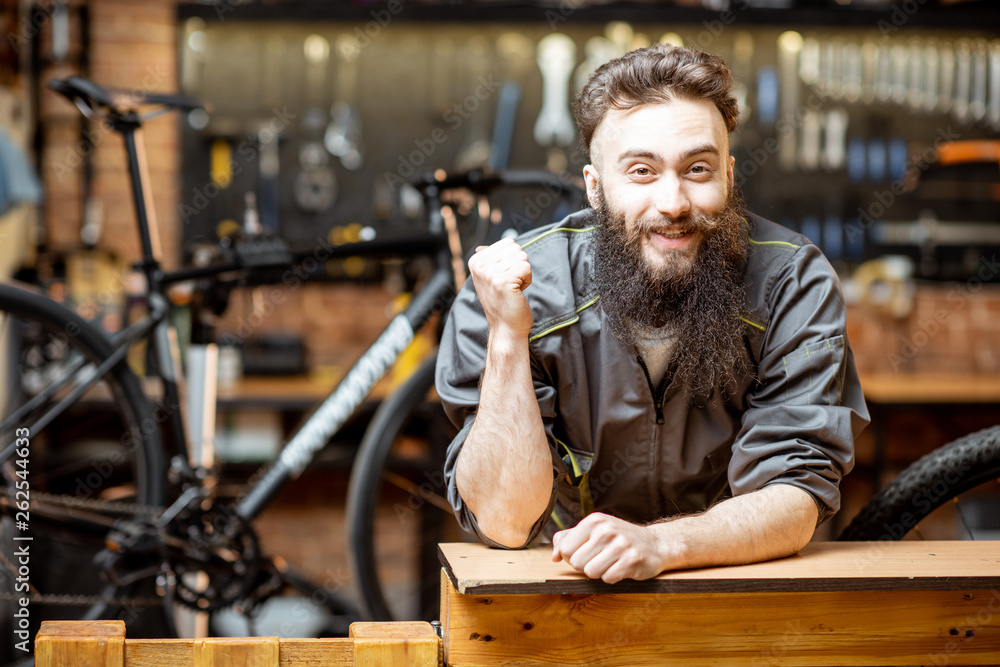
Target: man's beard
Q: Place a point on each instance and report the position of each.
(698, 298)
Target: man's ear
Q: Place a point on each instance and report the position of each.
(732, 178)
(592, 180)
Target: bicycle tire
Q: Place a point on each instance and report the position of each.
(394, 416)
(80, 464)
(946, 473)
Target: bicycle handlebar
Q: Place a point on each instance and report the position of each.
(483, 182)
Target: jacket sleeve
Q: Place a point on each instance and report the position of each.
(807, 406)
(460, 364)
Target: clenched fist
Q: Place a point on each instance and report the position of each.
(606, 547)
(501, 273)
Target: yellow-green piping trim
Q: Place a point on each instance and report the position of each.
(563, 325)
(559, 229)
(754, 324)
(786, 243)
(588, 304)
(557, 327)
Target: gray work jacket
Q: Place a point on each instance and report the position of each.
(613, 449)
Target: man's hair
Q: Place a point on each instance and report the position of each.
(658, 73)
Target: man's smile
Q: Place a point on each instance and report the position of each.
(669, 238)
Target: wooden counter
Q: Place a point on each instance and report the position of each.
(895, 603)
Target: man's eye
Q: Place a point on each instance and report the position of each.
(641, 171)
(698, 169)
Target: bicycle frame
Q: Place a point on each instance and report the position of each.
(349, 394)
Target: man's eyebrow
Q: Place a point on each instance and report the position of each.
(686, 155)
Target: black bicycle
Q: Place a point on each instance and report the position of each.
(122, 512)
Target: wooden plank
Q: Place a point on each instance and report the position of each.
(802, 629)
(80, 644)
(159, 652)
(820, 566)
(394, 643)
(336, 652)
(236, 652)
(444, 614)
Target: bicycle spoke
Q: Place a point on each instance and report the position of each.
(92, 379)
(43, 396)
(401, 482)
(961, 517)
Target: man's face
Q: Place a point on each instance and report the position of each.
(665, 168)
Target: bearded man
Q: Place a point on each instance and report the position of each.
(664, 378)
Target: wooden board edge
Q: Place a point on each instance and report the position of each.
(446, 568)
(447, 590)
(694, 586)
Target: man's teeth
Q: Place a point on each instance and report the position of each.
(672, 235)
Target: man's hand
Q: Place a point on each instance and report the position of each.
(605, 547)
(772, 522)
(501, 273)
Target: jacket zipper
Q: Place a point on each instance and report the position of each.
(657, 392)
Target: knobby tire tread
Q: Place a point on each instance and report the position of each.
(974, 459)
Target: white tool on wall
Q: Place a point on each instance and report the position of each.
(963, 80)
(869, 63)
(993, 110)
(315, 187)
(946, 89)
(932, 63)
(883, 74)
(475, 149)
(789, 47)
(343, 135)
(809, 148)
(980, 63)
(915, 76)
(833, 71)
(554, 126)
(898, 81)
(743, 71)
(598, 50)
(621, 35)
(852, 72)
(835, 138)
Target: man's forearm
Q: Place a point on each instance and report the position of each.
(772, 522)
(504, 471)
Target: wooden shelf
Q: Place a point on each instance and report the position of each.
(930, 388)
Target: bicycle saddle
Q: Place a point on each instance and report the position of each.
(78, 89)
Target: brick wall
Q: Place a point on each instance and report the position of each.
(132, 46)
(952, 328)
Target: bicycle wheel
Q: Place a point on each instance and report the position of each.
(397, 510)
(952, 493)
(101, 454)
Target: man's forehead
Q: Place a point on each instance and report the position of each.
(680, 123)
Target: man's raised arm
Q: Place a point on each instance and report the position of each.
(504, 470)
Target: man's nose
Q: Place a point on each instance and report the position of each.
(671, 199)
